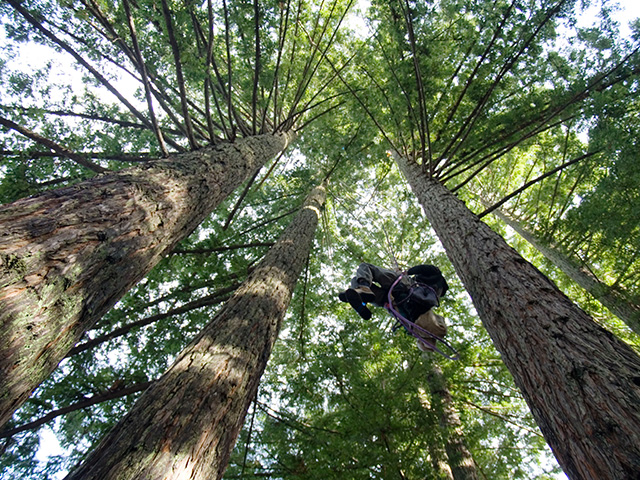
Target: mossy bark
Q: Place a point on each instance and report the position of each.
(186, 424)
(68, 255)
(581, 383)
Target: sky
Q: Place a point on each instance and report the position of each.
(630, 9)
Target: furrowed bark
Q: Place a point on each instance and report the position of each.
(581, 383)
(186, 423)
(68, 255)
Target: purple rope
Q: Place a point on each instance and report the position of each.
(411, 327)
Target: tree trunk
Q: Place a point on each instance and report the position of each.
(613, 299)
(186, 423)
(581, 383)
(68, 255)
(459, 457)
(440, 462)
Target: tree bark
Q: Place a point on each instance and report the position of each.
(68, 255)
(440, 462)
(459, 457)
(581, 383)
(614, 300)
(186, 423)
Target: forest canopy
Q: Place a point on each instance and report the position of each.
(187, 143)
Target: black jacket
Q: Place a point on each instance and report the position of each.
(423, 294)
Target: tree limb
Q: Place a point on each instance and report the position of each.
(204, 251)
(145, 80)
(215, 298)
(94, 400)
(180, 77)
(79, 159)
(535, 180)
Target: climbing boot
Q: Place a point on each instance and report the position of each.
(365, 293)
(354, 296)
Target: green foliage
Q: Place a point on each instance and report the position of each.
(348, 398)
(510, 90)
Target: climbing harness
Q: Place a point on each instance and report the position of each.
(416, 330)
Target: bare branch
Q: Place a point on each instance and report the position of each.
(206, 301)
(480, 61)
(463, 165)
(145, 80)
(180, 77)
(467, 125)
(502, 417)
(257, 67)
(31, 19)
(121, 157)
(308, 72)
(243, 195)
(64, 151)
(87, 116)
(425, 140)
(273, 91)
(227, 41)
(268, 221)
(207, 251)
(94, 400)
(536, 180)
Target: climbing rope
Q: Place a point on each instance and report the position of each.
(416, 330)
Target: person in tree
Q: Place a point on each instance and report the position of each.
(413, 296)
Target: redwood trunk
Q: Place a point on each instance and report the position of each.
(614, 300)
(581, 383)
(68, 255)
(459, 457)
(185, 425)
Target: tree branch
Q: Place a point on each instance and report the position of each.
(425, 140)
(535, 180)
(213, 299)
(67, 48)
(180, 77)
(94, 400)
(145, 80)
(205, 251)
(64, 151)
(501, 417)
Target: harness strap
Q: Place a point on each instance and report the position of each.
(416, 330)
(415, 285)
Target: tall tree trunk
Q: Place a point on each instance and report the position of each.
(440, 461)
(68, 255)
(618, 303)
(186, 423)
(581, 383)
(459, 457)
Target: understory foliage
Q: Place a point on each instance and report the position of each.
(488, 96)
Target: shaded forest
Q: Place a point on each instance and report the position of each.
(187, 186)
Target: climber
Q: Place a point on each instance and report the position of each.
(413, 296)
(416, 293)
